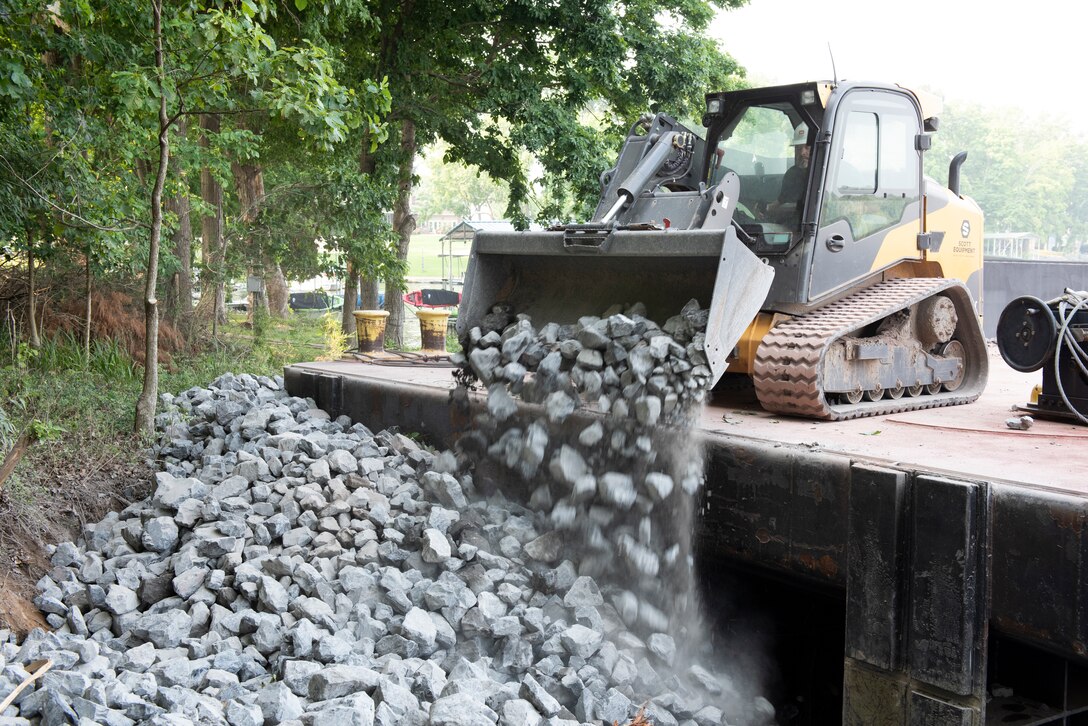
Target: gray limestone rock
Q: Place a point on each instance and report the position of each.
(342, 462)
(160, 534)
(658, 485)
(500, 404)
(436, 548)
(538, 696)
(278, 703)
(419, 626)
(340, 680)
(519, 712)
(545, 548)
(120, 600)
(461, 709)
(583, 591)
(581, 641)
(165, 630)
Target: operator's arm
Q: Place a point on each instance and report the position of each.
(790, 194)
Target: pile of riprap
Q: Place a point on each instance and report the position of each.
(291, 569)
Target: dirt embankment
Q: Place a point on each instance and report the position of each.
(57, 488)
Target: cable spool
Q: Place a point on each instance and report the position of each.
(1052, 336)
(1027, 334)
(1072, 311)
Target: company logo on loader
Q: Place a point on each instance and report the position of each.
(965, 229)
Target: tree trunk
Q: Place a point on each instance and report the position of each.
(180, 292)
(181, 283)
(275, 285)
(351, 291)
(32, 309)
(404, 223)
(249, 183)
(369, 290)
(87, 314)
(145, 406)
(210, 307)
(367, 166)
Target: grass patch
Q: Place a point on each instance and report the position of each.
(60, 385)
(424, 257)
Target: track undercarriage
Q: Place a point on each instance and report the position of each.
(899, 345)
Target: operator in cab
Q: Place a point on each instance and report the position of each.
(791, 197)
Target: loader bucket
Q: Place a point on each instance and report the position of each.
(560, 276)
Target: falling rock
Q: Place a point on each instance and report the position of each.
(648, 410)
(663, 646)
(658, 485)
(559, 406)
(617, 489)
(590, 359)
(484, 361)
(591, 434)
(567, 465)
(500, 403)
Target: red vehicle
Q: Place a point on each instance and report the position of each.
(433, 298)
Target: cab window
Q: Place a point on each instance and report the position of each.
(874, 171)
(761, 147)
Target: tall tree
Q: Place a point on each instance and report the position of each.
(145, 405)
(501, 78)
(198, 56)
(1024, 182)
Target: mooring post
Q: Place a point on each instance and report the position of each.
(918, 596)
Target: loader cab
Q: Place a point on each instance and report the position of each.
(861, 211)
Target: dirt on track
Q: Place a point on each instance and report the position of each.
(48, 500)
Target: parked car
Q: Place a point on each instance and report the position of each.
(316, 301)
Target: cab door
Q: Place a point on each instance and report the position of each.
(871, 210)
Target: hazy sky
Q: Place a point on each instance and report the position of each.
(996, 53)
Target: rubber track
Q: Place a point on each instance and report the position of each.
(788, 366)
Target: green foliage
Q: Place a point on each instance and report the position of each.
(1024, 181)
(336, 340)
(45, 431)
(96, 399)
(458, 188)
(65, 352)
(261, 321)
(557, 83)
(8, 432)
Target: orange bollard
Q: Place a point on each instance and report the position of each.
(370, 329)
(432, 329)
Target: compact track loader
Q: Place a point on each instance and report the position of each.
(842, 280)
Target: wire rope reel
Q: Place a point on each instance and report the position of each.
(1027, 334)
